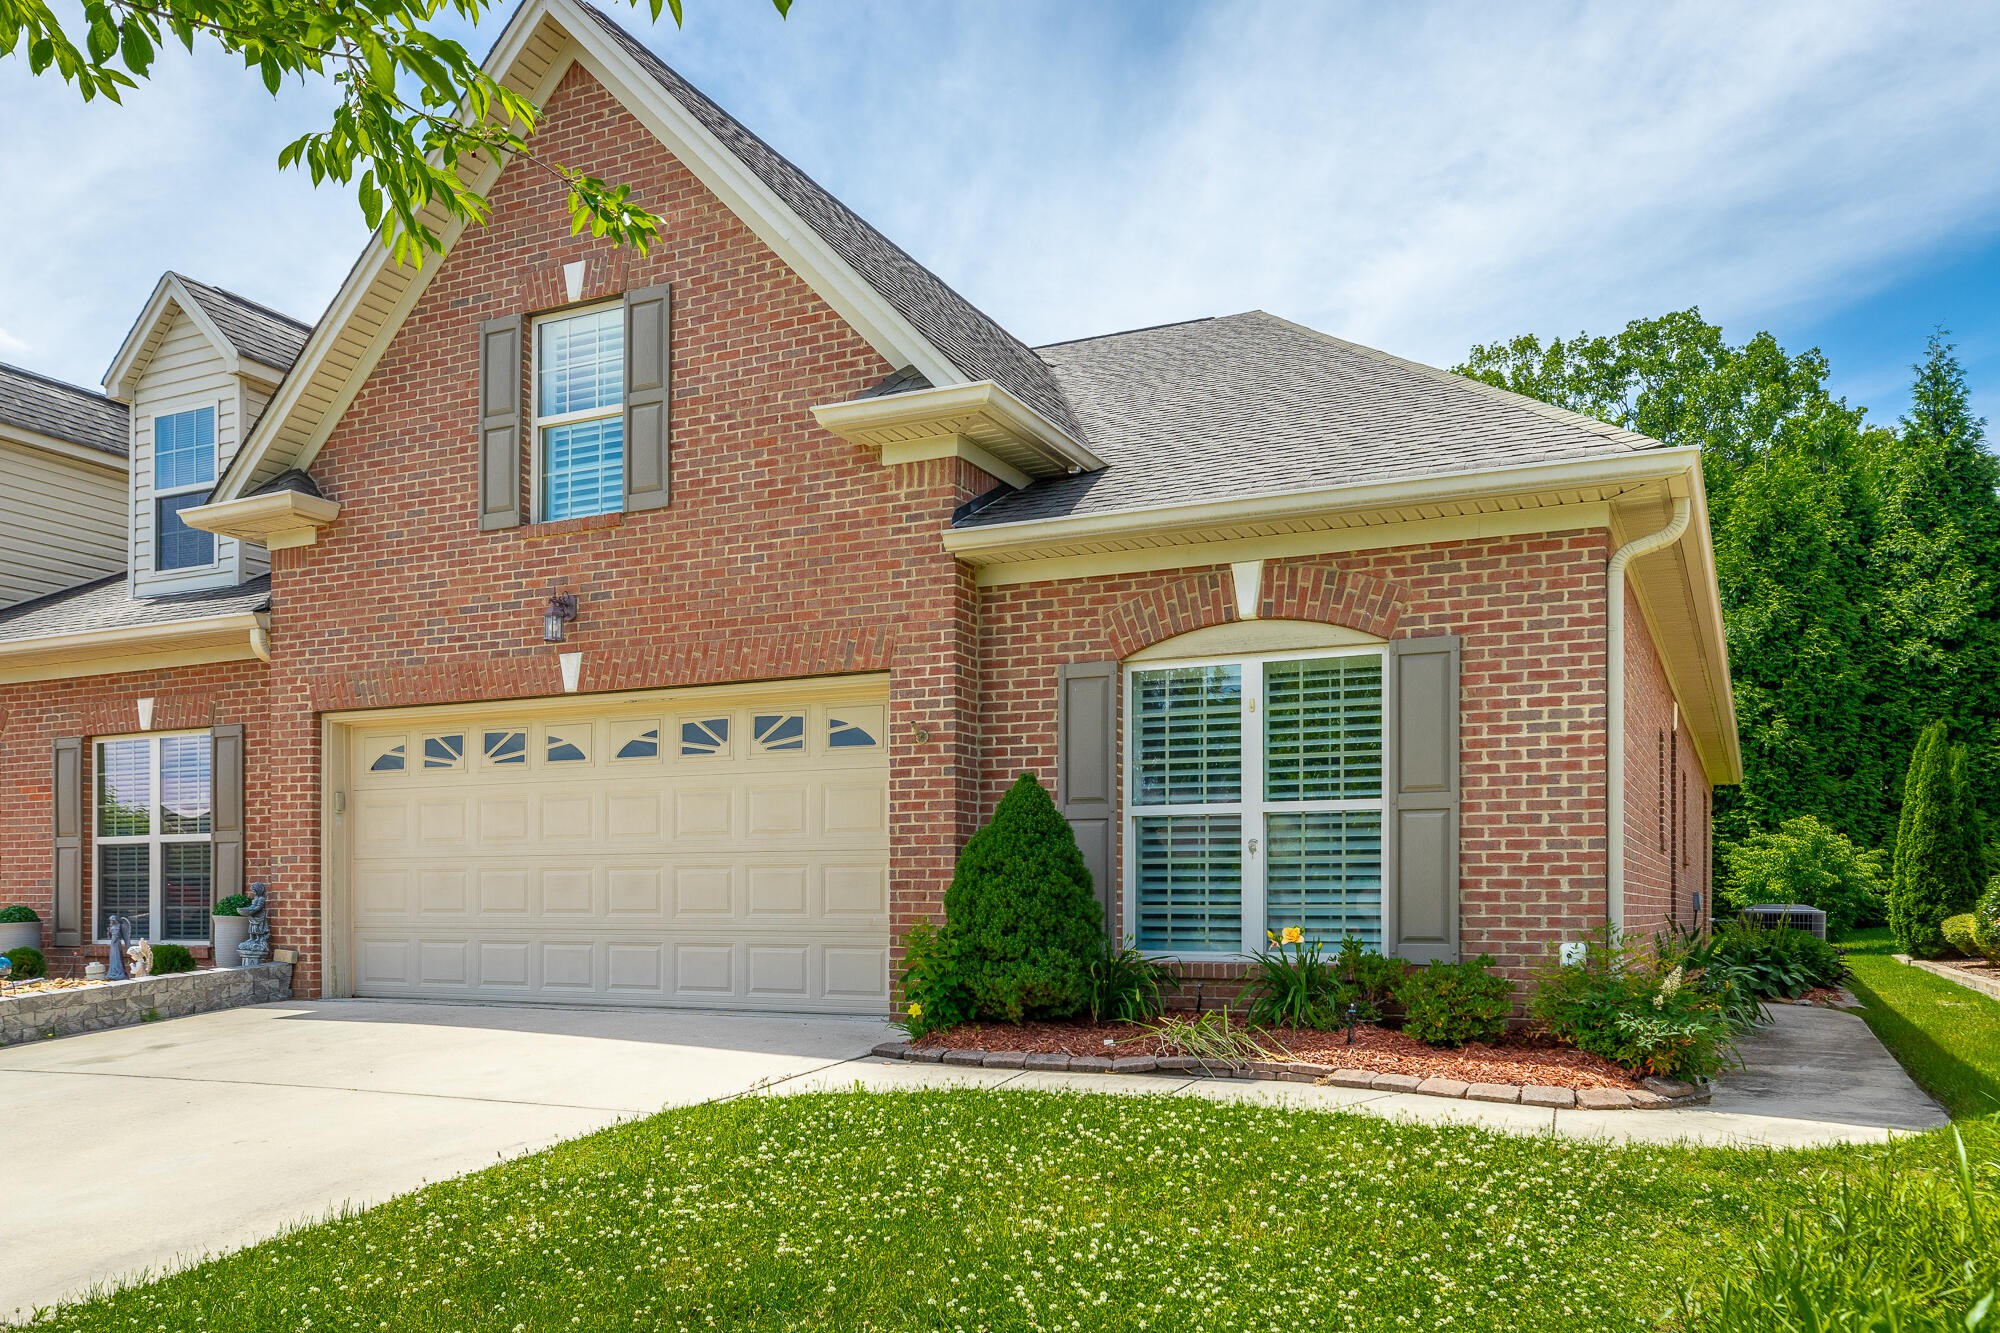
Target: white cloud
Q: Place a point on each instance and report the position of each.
(1413, 177)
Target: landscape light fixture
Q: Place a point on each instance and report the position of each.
(555, 620)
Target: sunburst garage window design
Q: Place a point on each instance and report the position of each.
(1254, 801)
(154, 861)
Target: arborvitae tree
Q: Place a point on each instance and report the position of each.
(1933, 871)
(1936, 564)
(1021, 915)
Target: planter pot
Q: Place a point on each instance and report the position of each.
(18, 934)
(227, 932)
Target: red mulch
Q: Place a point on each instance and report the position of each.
(1829, 997)
(1517, 1058)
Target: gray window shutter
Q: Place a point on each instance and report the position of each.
(500, 423)
(1422, 842)
(225, 779)
(66, 925)
(648, 368)
(1087, 767)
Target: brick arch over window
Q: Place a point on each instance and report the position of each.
(1318, 590)
(1292, 590)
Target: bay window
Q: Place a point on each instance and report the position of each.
(152, 833)
(1254, 800)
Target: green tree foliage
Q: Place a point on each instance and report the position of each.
(1859, 566)
(1936, 564)
(1023, 923)
(1807, 861)
(416, 113)
(1936, 870)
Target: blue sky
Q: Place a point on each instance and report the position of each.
(1414, 177)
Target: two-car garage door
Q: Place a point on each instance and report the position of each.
(724, 848)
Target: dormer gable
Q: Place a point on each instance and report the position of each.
(196, 372)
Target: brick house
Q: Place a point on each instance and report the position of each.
(558, 623)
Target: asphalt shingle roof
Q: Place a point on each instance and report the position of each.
(106, 604)
(257, 331)
(1249, 405)
(980, 348)
(62, 411)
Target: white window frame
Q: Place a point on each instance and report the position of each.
(153, 839)
(538, 423)
(167, 493)
(1253, 808)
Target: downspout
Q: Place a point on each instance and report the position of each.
(1614, 703)
(260, 641)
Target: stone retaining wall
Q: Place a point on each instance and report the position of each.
(118, 1004)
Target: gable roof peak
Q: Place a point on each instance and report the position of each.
(240, 329)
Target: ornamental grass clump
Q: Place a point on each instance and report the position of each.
(1022, 925)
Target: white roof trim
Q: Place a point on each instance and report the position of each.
(739, 189)
(983, 411)
(997, 539)
(121, 380)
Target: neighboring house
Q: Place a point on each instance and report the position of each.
(62, 483)
(1298, 632)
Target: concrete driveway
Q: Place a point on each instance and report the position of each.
(153, 1145)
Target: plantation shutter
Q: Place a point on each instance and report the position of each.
(66, 925)
(225, 778)
(1323, 727)
(1187, 854)
(500, 423)
(1087, 767)
(1421, 865)
(648, 358)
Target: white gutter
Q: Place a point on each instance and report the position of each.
(1614, 702)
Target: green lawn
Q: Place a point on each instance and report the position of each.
(991, 1210)
(1948, 1037)
(1003, 1211)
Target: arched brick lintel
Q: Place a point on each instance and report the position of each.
(1292, 590)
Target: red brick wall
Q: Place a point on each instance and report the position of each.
(1531, 610)
(1666, 799)
(785, 551)
(34, 716)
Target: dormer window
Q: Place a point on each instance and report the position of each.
(183, 475)
(580, 412)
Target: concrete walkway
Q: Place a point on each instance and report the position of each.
(1815, 1077)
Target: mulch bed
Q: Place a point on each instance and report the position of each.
(1517, 1059)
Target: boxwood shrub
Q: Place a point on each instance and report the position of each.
(1449, 1004)
(28, 962)
(17, 915)
(171, 958)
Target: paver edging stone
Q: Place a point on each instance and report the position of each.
(1656, 1092)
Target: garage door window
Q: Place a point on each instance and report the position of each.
(154, 861)
(1255, 801)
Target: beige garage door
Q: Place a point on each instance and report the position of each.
(721, 848)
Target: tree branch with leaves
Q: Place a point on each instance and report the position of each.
(415, 110)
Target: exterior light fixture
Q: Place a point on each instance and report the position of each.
(561, 611)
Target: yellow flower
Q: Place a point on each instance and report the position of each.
(916, 1011)
(1293, 935)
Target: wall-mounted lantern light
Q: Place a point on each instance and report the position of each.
(561, 611)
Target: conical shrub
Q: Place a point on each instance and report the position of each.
(1022, 919)
(1936, 873)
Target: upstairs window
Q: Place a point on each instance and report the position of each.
(183, 474)
(579, 412)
